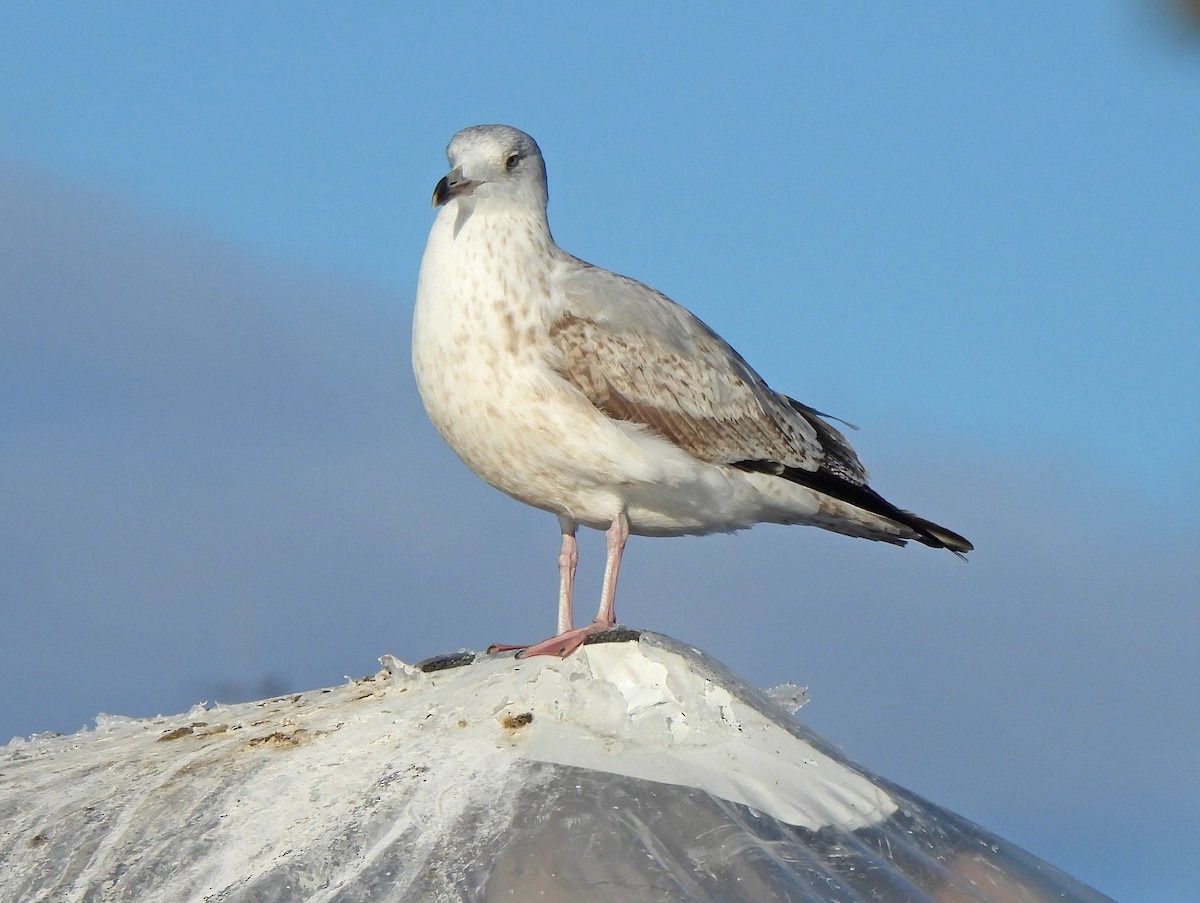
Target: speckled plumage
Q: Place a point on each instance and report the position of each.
(594, 397)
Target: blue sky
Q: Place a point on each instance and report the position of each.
(971, 230)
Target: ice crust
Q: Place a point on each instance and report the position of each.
(638, 771)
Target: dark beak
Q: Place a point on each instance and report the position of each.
(453, 185)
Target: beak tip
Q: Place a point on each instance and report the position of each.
(441, 193)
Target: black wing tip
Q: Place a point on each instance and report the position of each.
(863, 496)
(938, 537)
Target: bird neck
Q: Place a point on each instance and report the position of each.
(519, 228)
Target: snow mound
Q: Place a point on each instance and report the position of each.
(636, 769)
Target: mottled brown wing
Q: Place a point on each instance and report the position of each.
(639, 357)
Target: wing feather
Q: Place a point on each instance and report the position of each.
(639, 357)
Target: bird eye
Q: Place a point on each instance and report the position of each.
(511, 163)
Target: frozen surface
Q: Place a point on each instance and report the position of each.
(636, 770)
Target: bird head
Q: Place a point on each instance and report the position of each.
(493, 162)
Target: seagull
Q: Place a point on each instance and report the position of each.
(594, 397)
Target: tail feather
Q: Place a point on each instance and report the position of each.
(863, 496)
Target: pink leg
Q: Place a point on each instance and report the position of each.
(569, 639)
(568, 558)
(616, 535)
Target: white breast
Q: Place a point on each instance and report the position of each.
(481, 360)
